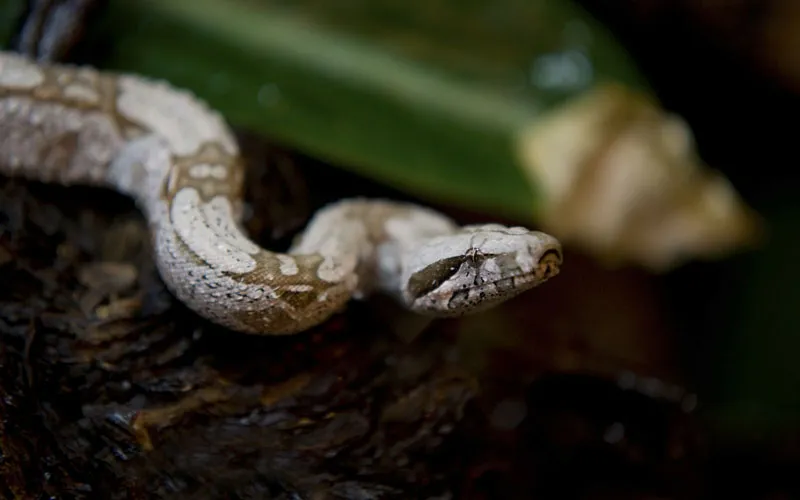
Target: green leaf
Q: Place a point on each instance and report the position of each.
(426, 97)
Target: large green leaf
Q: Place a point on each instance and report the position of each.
(426, 97)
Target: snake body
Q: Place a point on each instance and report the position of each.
(180, 161)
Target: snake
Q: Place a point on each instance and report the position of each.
(180, 161)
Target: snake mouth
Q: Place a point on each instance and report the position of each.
(459, 285)
(549, 266)
(494, 292)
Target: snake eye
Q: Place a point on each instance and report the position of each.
(431, 277)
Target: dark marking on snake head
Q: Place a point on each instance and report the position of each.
(431, 277)
(459, 300)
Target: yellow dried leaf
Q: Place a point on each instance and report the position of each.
(620, 178)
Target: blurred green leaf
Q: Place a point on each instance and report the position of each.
(10, 12)
(426, 97)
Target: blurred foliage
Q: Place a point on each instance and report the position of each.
(10, 12)
(427, 99)
(726, 67)
(529, 110)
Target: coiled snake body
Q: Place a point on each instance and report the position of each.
(181, 163)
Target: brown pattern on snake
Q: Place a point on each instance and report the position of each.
(181, 163)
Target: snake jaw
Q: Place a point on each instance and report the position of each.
(491, 265)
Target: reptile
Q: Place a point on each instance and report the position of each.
(179, 160)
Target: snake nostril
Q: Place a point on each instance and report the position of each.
(549, 264)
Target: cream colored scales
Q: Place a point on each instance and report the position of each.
(180, 161)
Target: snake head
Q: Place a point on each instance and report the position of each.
(476, 268)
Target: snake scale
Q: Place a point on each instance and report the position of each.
(181, 163)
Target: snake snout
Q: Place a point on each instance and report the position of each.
(549, 265)
(550, 256)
